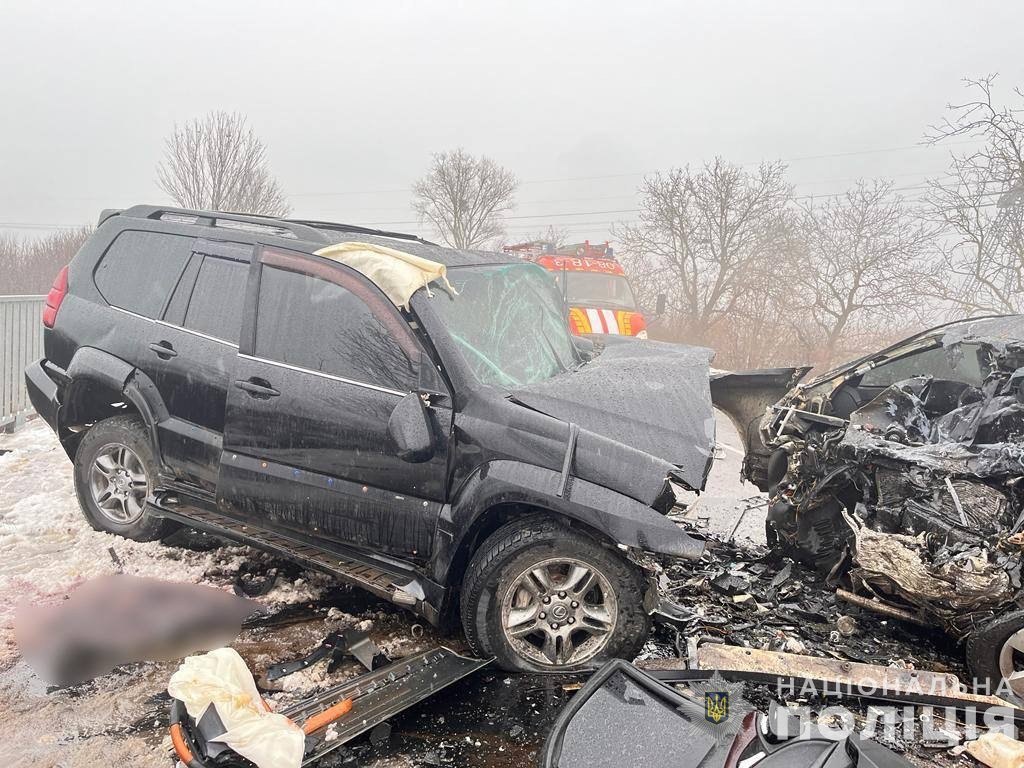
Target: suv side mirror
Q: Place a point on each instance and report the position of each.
(409, 426)
(659, 309)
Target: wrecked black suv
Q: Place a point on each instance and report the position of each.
(899, 476)
(413, 419)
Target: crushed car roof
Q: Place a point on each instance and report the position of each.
(993, 328)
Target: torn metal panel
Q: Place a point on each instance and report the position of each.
(745, 397)
(651, 396)
(897, 474)
(898, 566)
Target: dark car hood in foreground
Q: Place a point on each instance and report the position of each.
(651, 396)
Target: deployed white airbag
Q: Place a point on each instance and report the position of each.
(221, 679)
(397, 273)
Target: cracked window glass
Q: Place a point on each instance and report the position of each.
(933, 362)
(508, 323)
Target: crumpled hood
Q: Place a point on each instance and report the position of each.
(651, 396)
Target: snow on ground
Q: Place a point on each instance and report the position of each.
(47, 548)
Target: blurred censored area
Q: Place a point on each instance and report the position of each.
(119, 619)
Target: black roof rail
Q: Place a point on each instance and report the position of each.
(299, 230)
(358, 230)
(109, 213)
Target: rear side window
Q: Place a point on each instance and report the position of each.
(139, 270)
(315, 324)
(217, 299)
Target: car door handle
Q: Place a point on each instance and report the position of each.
(163, 349)
(258, 388)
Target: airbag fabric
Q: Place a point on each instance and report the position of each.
(221, 679)
(397, 273)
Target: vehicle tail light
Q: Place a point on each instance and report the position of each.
(55, 297)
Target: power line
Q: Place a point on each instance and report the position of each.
(826, 156)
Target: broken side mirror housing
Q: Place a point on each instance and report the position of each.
(584, 346)
(409, 426)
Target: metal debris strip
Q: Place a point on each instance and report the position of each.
(383, 693)
(822, 676)
(749, 504)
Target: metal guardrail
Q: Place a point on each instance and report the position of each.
(21, 342)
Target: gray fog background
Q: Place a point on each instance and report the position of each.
(578, 99)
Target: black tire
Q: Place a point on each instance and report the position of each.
(985, 644)
(518, 546)
(130, 432)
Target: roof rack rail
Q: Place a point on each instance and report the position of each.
(297, 229)
(357, 229)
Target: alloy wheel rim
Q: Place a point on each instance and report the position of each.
(559, 612)
(1011, 662)
(119, 484)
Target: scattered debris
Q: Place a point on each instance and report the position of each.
(997, 750)
(339, 713)
(217, 687)
(334, 648)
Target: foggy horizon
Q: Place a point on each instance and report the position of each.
(351, 102)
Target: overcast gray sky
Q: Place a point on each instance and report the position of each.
(351, 98)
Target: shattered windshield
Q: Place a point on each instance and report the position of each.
(507, 322)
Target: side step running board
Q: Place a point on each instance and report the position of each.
(390, 585)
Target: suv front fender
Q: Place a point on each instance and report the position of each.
(621, 519)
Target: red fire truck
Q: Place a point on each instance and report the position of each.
(595, 288)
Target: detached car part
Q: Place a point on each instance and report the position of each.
(623, 716)
(334, 648)
(337, 714)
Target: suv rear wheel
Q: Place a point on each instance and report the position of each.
(539, 596)
(114, 473)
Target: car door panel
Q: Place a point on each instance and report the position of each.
(315, 459)
(193, 352)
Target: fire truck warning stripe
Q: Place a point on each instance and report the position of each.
(610, 323)
(596, 322)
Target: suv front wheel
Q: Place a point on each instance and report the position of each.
(114, 473)
(539, 596)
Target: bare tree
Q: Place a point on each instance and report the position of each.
(860, 269)
(557, 236)
(29, 266)
(980, 207)
(218, 163)
(709, 239)
(464, 198)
